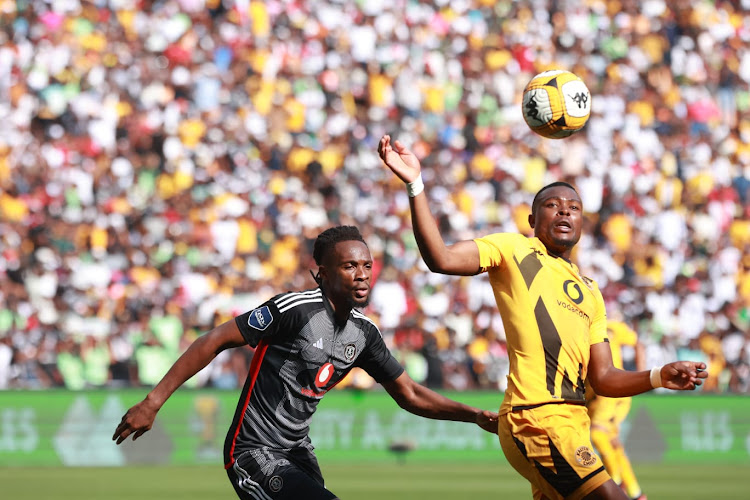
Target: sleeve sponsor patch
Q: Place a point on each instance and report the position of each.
(260, 318)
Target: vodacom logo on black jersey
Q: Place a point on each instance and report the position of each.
(324, 375)
(321, 380)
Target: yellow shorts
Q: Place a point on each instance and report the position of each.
(550, 446)
(609, 413)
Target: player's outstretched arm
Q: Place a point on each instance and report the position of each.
(420, 400)
(139, 419)
(611, 382)
(461, 258)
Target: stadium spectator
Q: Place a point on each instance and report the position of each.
(133, 132)
(6, 357)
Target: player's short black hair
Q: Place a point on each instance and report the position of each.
(326, 240)
(549, 186)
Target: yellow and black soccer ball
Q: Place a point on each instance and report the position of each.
(556, 104)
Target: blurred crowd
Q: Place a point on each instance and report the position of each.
(166, 165)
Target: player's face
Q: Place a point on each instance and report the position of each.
(347, 273)
(558, 219)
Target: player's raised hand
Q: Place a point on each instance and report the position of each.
(487, 420)
(136, 421)
(683, 375)
(399, 159)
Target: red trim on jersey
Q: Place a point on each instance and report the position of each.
(337, 383)
(260, 352)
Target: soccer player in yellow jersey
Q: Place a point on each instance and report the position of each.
(556, 327)
(607, 414)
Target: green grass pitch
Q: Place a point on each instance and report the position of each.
(408, 481)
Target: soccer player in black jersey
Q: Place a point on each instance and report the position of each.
(305, 343)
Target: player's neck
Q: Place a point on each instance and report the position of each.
(339, 311)
(561, 255)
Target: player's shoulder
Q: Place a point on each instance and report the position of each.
(363, 321)
(590, 282)
(298, 302)
(506, 243)
(506, 238)
(593, 287)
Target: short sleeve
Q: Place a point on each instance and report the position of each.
(494, 249)
(377, 359)
(259, 323)
(598, 330)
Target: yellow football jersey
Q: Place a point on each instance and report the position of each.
(620, 334)
(552, 315)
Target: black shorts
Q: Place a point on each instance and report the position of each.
(268, 474)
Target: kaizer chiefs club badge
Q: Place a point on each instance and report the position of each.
(585, 456)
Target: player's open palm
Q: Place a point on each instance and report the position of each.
(683, 375)
(399, 159)
(136, 421)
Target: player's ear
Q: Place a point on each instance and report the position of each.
(531, 220)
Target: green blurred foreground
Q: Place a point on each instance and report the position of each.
(409, 481)
(56, 428)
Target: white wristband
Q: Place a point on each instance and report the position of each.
(415, 187)
(656, 378)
